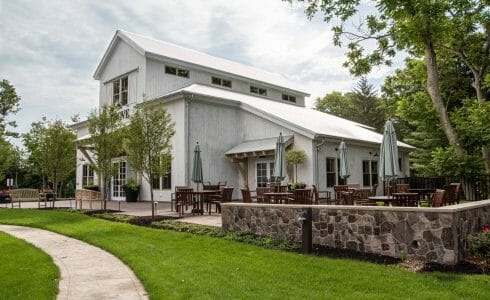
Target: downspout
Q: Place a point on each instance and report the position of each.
(317, 147)
(187, 141)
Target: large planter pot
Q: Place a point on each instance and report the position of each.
(131, 195)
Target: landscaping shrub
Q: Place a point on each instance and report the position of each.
(479, 243)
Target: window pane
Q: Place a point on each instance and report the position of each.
(254, 89)
(156, 183)
(227, 83)
(263, 92)
(292, 99)
(216, 80)
(330, 172)
(183, 73)
(124, 84)
(171, 70)
(285, 97)
(166, 181)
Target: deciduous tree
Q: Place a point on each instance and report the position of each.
(106, 139)
(148, 143)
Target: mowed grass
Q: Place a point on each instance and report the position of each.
(25, 271)
(181, 265)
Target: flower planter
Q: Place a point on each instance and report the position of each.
(131, 195)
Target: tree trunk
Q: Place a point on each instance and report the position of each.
(151, 198)
(435, 95)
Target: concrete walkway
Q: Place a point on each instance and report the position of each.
(87, 272)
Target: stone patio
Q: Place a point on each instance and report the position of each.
(139, 209)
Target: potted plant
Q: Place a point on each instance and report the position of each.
(131, 189)
(91, 187)
(296, 185)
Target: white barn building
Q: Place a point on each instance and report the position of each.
(234, 111)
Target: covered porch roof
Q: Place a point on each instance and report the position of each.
(259, 147)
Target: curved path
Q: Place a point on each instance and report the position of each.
(87, 272)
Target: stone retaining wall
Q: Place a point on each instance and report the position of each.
(436, 234)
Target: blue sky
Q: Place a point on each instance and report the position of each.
(50, 49)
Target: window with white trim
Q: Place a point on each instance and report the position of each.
(264, 171)
(120, 91)
(257, 90)
(87, 176)
(331, 171)
(369, 172)
(177, 71)
(288, 98)
(221, 81)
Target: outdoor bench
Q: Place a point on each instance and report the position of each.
(89, 196)
(18, 196)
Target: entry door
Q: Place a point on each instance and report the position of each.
(119, 180)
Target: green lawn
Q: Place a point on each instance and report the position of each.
(181, 265)
(25, 271)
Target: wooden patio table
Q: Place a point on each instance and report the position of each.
(201, 196)
(424, 193)
(386, 199)
(278, 197)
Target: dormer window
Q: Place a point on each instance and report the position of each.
(289, 98)
(120, 91)
(221, 81)
(257, 90)
(177, 71)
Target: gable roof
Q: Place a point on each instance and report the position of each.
(310, 121)
(159, 49)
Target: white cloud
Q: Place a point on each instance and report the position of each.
(49, 49)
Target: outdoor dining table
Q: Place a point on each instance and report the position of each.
(201, 196)
(278, 197)
(386, 199)
(424, 193)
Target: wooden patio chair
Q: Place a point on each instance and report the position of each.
(402, 187)
(321, 196)
(221, 183)
(338, 189)
(261, 198)
(183, 198)
(457, 191)
(361, 196)
(346, 198)
(405, 199)
(302, 196)
(280, 188)
(450, 194)
(223, 197)
(354, 185)
(246, 195)
(173, 198)
(438, 198)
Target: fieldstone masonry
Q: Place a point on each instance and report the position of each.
(436, 234)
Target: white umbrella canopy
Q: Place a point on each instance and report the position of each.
(344, 163)
(279, 159)
(388, 157)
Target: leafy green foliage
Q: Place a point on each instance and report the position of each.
(7, 159)
(479, 244)
(295, 157)
(106, 130)
(361, 105)
(26, 272)
(440, 31)
(148, 142)
(9, 104)
(445, 162)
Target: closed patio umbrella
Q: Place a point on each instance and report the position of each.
(279, 160)
(388, 158)
(344, 164)
(197, 166)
